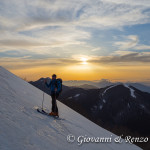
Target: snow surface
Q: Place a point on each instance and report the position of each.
(131, 90)
(101, 106)
(77, 95)
(69, 97)
(23, 128)
(104, 101)
(108, 89)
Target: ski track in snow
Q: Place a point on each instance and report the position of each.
(23, 128)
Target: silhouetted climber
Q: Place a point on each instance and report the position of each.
(55, 86)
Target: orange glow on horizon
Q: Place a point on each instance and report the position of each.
(86, 72)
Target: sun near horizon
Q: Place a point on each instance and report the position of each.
(82, 40)
(84, 70)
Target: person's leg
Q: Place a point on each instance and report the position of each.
(56, 108)
(53, 102)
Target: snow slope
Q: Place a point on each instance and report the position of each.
(23, 128)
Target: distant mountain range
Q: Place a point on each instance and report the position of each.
(116, 105)
(104, 83)
(90, 84)
(86, 86)
(123, 108)
(97, 83)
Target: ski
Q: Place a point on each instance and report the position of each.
(44, 112)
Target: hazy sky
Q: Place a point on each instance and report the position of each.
(76, 39)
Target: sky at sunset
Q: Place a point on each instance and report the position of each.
(76, 39)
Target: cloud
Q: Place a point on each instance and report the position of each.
(57, 27)
(131, 2)
(143, 47)
(143, 57)
(96, 49)
(131, 41)
(43, 40)
(20, 43)
(99, 13)
(27, 62)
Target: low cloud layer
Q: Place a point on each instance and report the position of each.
(25, 62)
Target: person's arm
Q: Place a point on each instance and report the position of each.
(58, 86)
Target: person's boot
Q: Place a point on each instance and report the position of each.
(55, 114)
(51, 114)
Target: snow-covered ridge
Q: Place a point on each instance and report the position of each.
(108, 89)
(125, 85)
(23, 128)
(131, 90)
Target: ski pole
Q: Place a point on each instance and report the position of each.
(55, 100)
(43, 101)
